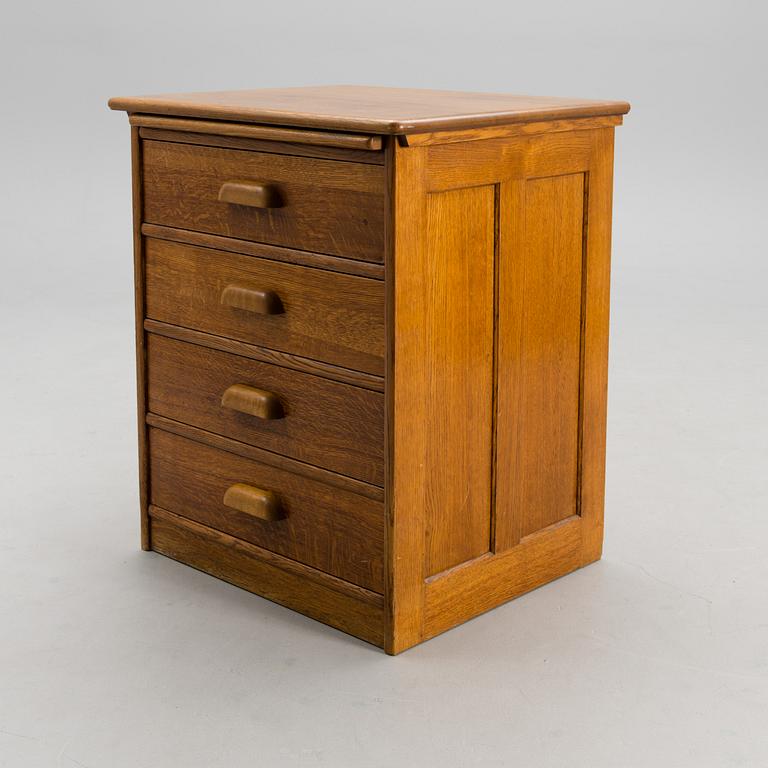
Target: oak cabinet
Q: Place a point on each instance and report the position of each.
(372, 333)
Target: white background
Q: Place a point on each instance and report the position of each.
(656, 656)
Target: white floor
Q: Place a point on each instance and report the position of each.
(656, 656)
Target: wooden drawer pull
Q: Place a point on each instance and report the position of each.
(254, 501)
(256, 402)
(250, 193)
(252, 300)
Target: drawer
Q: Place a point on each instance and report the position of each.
(328, 206)
(333, 425)
(311, 312)
(328, 528)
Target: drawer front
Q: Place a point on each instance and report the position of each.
(328, 206)
(335, 426)
(327, 528)
(311, 312)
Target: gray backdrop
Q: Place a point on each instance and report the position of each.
(657, 656)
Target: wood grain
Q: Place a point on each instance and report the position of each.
(550, 371)
(390, 144)
(595, 346)
(141, 361)
(457, 313)
(318, 595)
(326, 528)
(262, 456)
(259, 145)
(406, 385)
(329, 317)
(283, 359)
(367, 108)
(250, 194)
(265, 132)
(256, 502)
(261, 250)
(253, 300)
(509, 131)
(252, 401)
(539, 355)
(410, 361)
(479, 585)
(325, 423)
(328, 206)
(493, 161)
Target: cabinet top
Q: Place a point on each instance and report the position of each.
(369, 108)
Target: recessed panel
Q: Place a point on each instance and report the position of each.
(539, 353)
(459, 289)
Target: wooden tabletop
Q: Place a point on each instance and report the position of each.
(368, 108)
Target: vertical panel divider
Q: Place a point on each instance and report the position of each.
(582, 332)
(495, 374)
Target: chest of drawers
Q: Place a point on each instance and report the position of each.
(372, 332)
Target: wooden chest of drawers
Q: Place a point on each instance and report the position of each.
(372, 331)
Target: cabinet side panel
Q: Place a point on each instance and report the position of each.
(458, 355)
(553, 208)
(539, 359)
